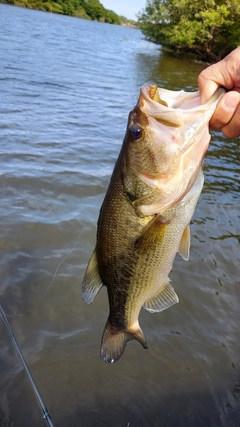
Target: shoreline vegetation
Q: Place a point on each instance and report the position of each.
(85, 9)
(207, 30)
(204, 30)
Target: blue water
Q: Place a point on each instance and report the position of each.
(66, 88)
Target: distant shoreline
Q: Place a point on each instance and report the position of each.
(53, 7)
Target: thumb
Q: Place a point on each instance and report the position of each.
(208, 82)
(224, 73)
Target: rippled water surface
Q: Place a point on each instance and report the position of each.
(66, 87)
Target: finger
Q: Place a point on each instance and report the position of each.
(224, 73)
(232, 129)
(225, 110)
(206, 83)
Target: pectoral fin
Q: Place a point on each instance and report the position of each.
(152, 235)
(162, 300)
(184, 245)
(91, 282)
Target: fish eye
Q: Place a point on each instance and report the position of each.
(135, 131)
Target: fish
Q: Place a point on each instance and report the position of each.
(144, 220)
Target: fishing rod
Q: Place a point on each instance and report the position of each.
(46, 415)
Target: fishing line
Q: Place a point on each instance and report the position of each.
(73, 247)
(45, 412)
(60, 264)
(4, 316)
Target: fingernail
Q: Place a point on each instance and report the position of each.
(231, 100)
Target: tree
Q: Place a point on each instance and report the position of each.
(111, 17)
(87, 9)
(208, 28)
(94, 9)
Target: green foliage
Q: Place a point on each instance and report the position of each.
(208, 28)
(112, 18)
(87, 9)
(80, 12)
(94, 9)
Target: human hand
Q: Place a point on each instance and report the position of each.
(225, 73)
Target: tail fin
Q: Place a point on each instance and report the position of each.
(114, 342)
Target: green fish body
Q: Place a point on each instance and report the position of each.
(145, 217)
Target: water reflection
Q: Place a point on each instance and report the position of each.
(222, 167)
(167, 71)
(67, 87)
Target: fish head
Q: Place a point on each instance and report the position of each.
(165, 143)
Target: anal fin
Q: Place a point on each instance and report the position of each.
(91, 282)
(163, 299)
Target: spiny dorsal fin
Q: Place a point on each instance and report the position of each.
(91, 282)
(184, 245)
(163, 299)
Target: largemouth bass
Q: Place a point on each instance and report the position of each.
(145, 216)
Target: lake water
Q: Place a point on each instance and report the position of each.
(66, 87)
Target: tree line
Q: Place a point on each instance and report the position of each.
(209, 29)
(88, 9)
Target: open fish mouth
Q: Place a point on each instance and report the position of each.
(173, 108)
(176, 124)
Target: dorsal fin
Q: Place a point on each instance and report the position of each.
(163, 299)
(92, 282)
(184, 245)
